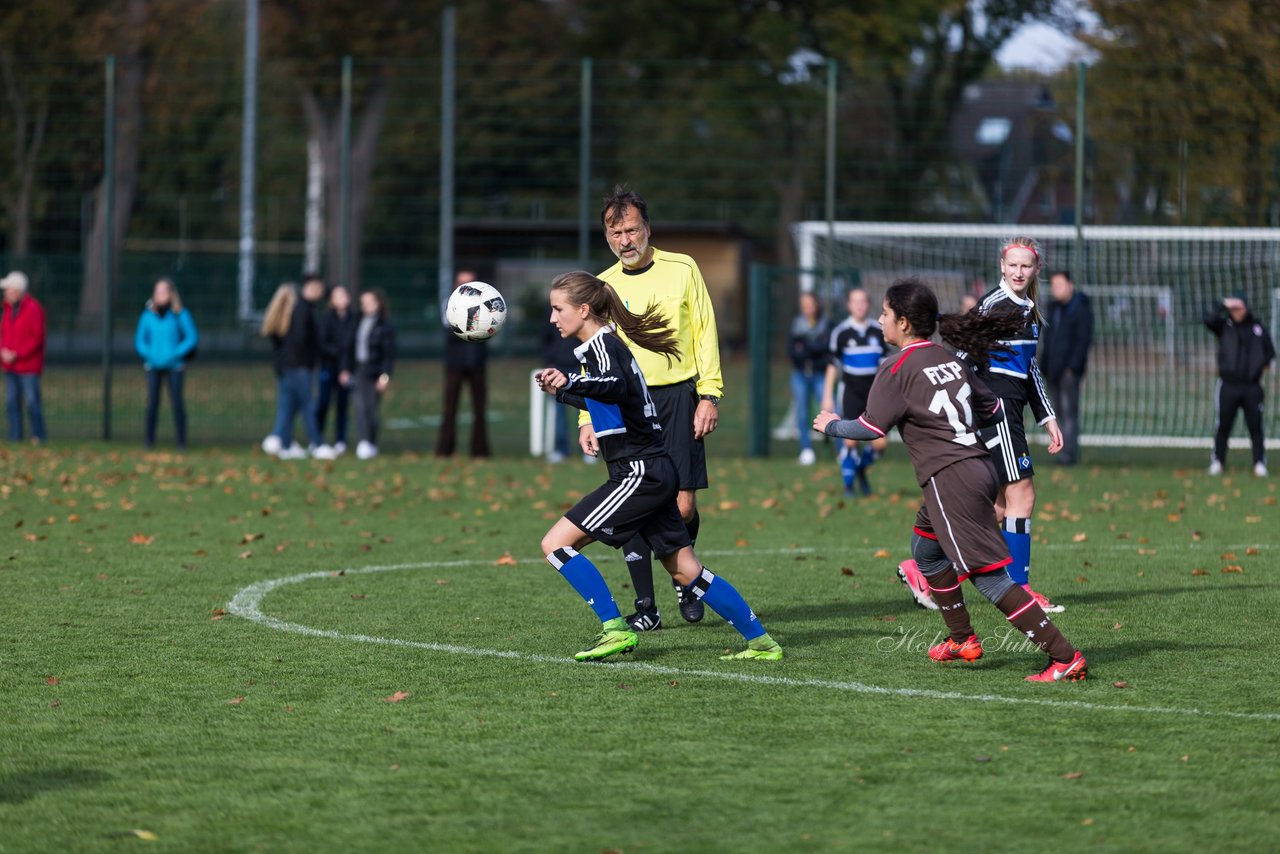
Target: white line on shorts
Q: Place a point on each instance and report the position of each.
(248, 601)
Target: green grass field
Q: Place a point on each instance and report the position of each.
(136, 697)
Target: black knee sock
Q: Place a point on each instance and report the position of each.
(640, 565)
(694, 523)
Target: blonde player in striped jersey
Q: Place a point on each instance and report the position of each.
(1014, 376)
(686, 390)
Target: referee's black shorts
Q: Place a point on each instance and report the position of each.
(676, 404)
(639, 498)
(1006, 441)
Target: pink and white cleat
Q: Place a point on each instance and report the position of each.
(1043, 601)
(910, 575)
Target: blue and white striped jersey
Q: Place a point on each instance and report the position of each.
(612, 390)
(1015, 376)
(857, 348)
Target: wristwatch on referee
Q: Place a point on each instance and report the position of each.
(715, 401)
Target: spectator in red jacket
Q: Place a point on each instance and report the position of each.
(22, 355)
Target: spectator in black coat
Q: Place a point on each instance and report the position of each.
(368, 365)
(1064, 357)
(1245, 352)
(337, 333)
(464, 361)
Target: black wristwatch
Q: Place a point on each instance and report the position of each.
(715, 401)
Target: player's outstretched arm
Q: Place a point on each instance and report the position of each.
(830, 424)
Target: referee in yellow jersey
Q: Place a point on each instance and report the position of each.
(685, 391)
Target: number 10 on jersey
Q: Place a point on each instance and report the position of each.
(964, 428)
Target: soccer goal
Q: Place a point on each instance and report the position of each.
(1153, 366)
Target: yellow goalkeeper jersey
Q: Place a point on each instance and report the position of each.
(675, 283)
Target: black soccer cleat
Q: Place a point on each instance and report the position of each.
(691, 607)
(646, 617)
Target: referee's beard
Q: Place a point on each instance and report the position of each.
(640, 258)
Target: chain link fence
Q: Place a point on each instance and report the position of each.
(729, 155)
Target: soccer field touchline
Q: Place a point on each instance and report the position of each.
(247, 605)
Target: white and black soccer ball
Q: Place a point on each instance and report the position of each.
(475, 311)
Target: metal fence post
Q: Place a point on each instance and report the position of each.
(760, 338)
(344, 178)
(108, 248)
(584, 165)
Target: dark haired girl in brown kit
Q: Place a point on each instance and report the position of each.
(938, 404)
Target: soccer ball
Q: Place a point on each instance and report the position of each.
(475, 311)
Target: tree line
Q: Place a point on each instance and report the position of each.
(715, 109)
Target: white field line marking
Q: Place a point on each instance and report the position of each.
(248, 601)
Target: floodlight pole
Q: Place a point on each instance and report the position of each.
(447, 51)
(248, 133)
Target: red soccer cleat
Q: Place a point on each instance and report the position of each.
(910, 575)
(1074, 670)
(949, 650)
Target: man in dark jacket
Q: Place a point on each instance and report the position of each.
(1064, 356)
(1245, 351)
(463, 361)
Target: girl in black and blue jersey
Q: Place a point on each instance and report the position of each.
(640, 495)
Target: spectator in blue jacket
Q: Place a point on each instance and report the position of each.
(1064, 356)
(165, 339)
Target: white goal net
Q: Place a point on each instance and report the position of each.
(1152, 368)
